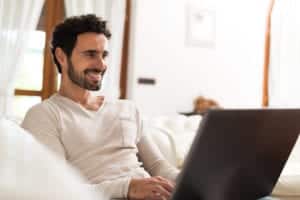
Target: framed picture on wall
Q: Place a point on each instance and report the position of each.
(200, 26)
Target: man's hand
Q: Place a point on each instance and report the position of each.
(154, 188)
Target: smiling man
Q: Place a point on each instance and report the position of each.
(102, 139)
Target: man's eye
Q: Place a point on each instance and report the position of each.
(90, 54)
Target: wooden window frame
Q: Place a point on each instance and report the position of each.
(265, 93)
(53, 13)
(125, 51)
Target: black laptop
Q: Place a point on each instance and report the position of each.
(238, 154)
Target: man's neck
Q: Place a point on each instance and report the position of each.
(80, 96)
(74, 93)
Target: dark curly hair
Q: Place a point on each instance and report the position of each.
(65, 34)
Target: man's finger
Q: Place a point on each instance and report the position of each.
(165, 180)
(161, 191)
(165, 183)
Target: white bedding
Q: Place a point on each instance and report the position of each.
(28, 171)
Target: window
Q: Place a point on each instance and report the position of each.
(37, 79)
(30, 76)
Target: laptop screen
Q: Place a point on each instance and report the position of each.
(238, 154)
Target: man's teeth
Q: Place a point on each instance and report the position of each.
(94, 75)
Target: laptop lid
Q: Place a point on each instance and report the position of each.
(238, 154)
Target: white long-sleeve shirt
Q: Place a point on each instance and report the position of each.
(103, 145)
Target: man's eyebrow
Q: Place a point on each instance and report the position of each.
(95, 51)
(90, 51)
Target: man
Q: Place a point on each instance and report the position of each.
(100, 138)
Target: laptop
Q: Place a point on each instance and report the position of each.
(238, 154)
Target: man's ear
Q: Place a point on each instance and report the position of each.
(61, 57)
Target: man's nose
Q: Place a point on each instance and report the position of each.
(101, 63)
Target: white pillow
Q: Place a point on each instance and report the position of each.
(192, 123)
(173, 135)
(29, 171)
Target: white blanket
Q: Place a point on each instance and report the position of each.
(29, 171)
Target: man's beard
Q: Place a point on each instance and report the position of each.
(80, 80)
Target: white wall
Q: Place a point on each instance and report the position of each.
(231, 72)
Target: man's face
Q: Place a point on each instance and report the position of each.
(87, 64)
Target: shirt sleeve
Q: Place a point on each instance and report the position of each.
(114, 189)
(43, 125)
(153, 160)
(150, 155)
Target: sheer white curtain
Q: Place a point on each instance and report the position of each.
(114, 12)
(284, 76)
(17, 19)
